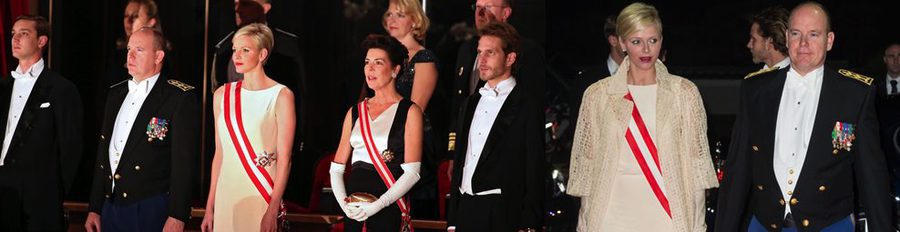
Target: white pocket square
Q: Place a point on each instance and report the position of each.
(45, 105)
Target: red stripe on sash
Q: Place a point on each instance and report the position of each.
(240, 152)
(386, 176)
(639, 156)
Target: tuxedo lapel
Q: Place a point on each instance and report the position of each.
(505, 117)
(6, 86)
(35, 98)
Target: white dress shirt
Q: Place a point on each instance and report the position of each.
(796, 116)
(888, 78)
(137, 93)
(22, 86)
(786, 62)
(489, 105)
(612, 65)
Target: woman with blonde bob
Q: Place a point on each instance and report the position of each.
(640, 160)
(255, 123)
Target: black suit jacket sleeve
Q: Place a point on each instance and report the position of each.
(185, 147)
(535, 165)
(870, 170)
(735, 188)
(69, 117)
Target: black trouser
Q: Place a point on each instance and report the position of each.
(480, 213)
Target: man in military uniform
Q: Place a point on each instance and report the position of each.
(42, 134)
(805, 146)
(529, 68)
(148, 144)
(767, 40)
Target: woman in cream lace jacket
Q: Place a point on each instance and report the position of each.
(640, 160)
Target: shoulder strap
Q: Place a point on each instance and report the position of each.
(398, 128)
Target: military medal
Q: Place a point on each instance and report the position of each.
(842, 136)
(157, 129)
(265, 159)
(387, 155)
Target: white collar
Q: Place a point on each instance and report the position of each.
(811, 79)
(33, 72)
(144, 86)
(502, 88)
(781, 64)
(611, 65)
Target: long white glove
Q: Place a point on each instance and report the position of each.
(337, 187)
(401, 186)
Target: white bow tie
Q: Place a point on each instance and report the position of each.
(486, 91)
(17, 75)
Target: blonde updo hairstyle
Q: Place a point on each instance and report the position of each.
(260, 34)
(635, 17)
(413, 9)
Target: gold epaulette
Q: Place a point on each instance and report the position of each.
(856, 76)
(761, 72)
(181, 85)
(451, 138)
(117, 84)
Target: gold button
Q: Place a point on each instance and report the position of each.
(101, 166)
(118, 177)
(755, 148)
(781, 201)
(760, 187)
(790, 192)
(102, 137)
(822, 188)
(794, 201)
(774, 226)
(790, 181)
(138, 168)
(107, 196)
(805, 222)
(124, 195)
(834, 152)
(110, 177)
(460, 91)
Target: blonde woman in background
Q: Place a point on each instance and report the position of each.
(640, 161)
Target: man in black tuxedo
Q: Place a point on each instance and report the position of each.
(805, 146)
(888, 105)
(148, 143)
(42, 138)
(529, 68)
(497, 183)
(591, 75)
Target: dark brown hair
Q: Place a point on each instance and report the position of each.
(773, 23)
(397, 53)
(505, 32)
(41, 26)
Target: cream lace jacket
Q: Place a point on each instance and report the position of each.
(680, 137)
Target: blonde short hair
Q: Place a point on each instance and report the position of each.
(411, 8)
(635, 17)
(260, 33)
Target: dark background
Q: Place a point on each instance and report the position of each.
(706, 42)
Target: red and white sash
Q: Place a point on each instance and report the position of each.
(386, 176)
(235, 126)
(645, 153)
